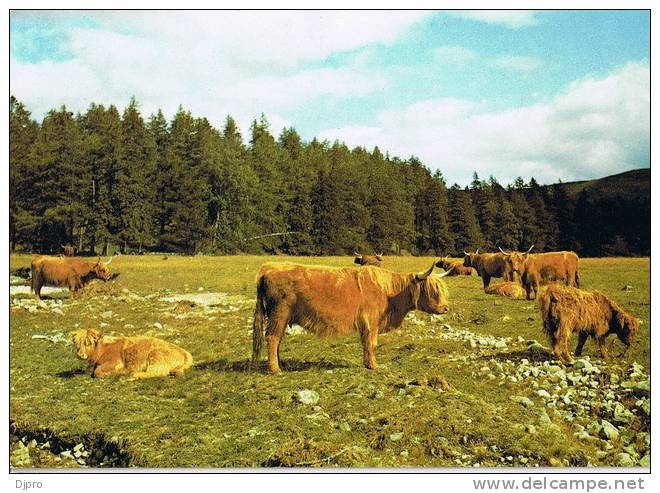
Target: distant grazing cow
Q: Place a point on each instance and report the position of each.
(62, 271)
(508, 289)
(454, 268)
(339, 301)
(68, 250)
(488, 265)
(566, 310)
(134, 357)
(542, 268)
(368, 259)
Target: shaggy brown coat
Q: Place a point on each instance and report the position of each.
(375, 260)
(134, 357)
(565, 310)
(339, 301)
(70, 272)
(456, 267)
(508, 289)
(488, 265)
(537, 269)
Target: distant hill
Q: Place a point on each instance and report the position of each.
(630, 184)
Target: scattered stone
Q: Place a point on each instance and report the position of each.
(307, 396)
(395, 437)
(524, 401)
(625, 460)
(609, 431)
(344, 426)
(158, 325)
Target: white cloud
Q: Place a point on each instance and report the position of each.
(517, 63)
(454, 54)
(595, 128)
(212, 62)
(514, 19)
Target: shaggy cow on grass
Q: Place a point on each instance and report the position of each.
(539, 269)
(134, 357)
(375, 260)
(456, 267)
(339, 301)
(565, 310)
(488, 265)
(508, 289)
(70, 272)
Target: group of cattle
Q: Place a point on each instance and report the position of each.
(368, 300)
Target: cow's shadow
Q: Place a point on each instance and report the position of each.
(71, 373)
(245, 366)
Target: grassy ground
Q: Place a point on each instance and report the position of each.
(428, 405)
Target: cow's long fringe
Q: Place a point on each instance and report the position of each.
(259, 320)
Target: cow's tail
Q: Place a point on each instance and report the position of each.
(577, 278)
(259, 320)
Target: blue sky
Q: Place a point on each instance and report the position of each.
(551, 94)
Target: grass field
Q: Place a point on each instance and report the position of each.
(458, 390)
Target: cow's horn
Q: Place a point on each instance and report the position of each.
(445, 273)
(108, 262)
(505, 253)
(476, 251)
(423, 275)
(357, 254)
(466, 253)
(530, 249)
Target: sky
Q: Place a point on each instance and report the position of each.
(554, 95)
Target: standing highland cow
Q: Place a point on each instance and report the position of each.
(488, 265)
(539, 269)
(339, 301)
(565, 310)
(62, 271)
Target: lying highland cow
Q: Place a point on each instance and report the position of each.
(375, 260)
(508, 289)
(566, 310)
(456, 267)
(134, 357)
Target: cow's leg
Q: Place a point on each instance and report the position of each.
(600, 342)
(369, 339)
(582, 338)
(486, 279)
(561, 348)
(277, 322)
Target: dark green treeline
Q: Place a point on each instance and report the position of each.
(147, 184)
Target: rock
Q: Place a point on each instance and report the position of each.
(529, 428)
(307, 396)
(57, 311)
(506, 318)
(645, 461)
(344, 426)
(537, 349)
(622, 414)
(582, 364)
(627, 287)
(396, 436)
(158, 325)
(583, 436)
(523, 401)
(500, 344)
(67, 454)
(78, 447)
(521, 339)
(106, 314)
(609, 431)
(544, 419)
(625, 460)
(644, 405)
